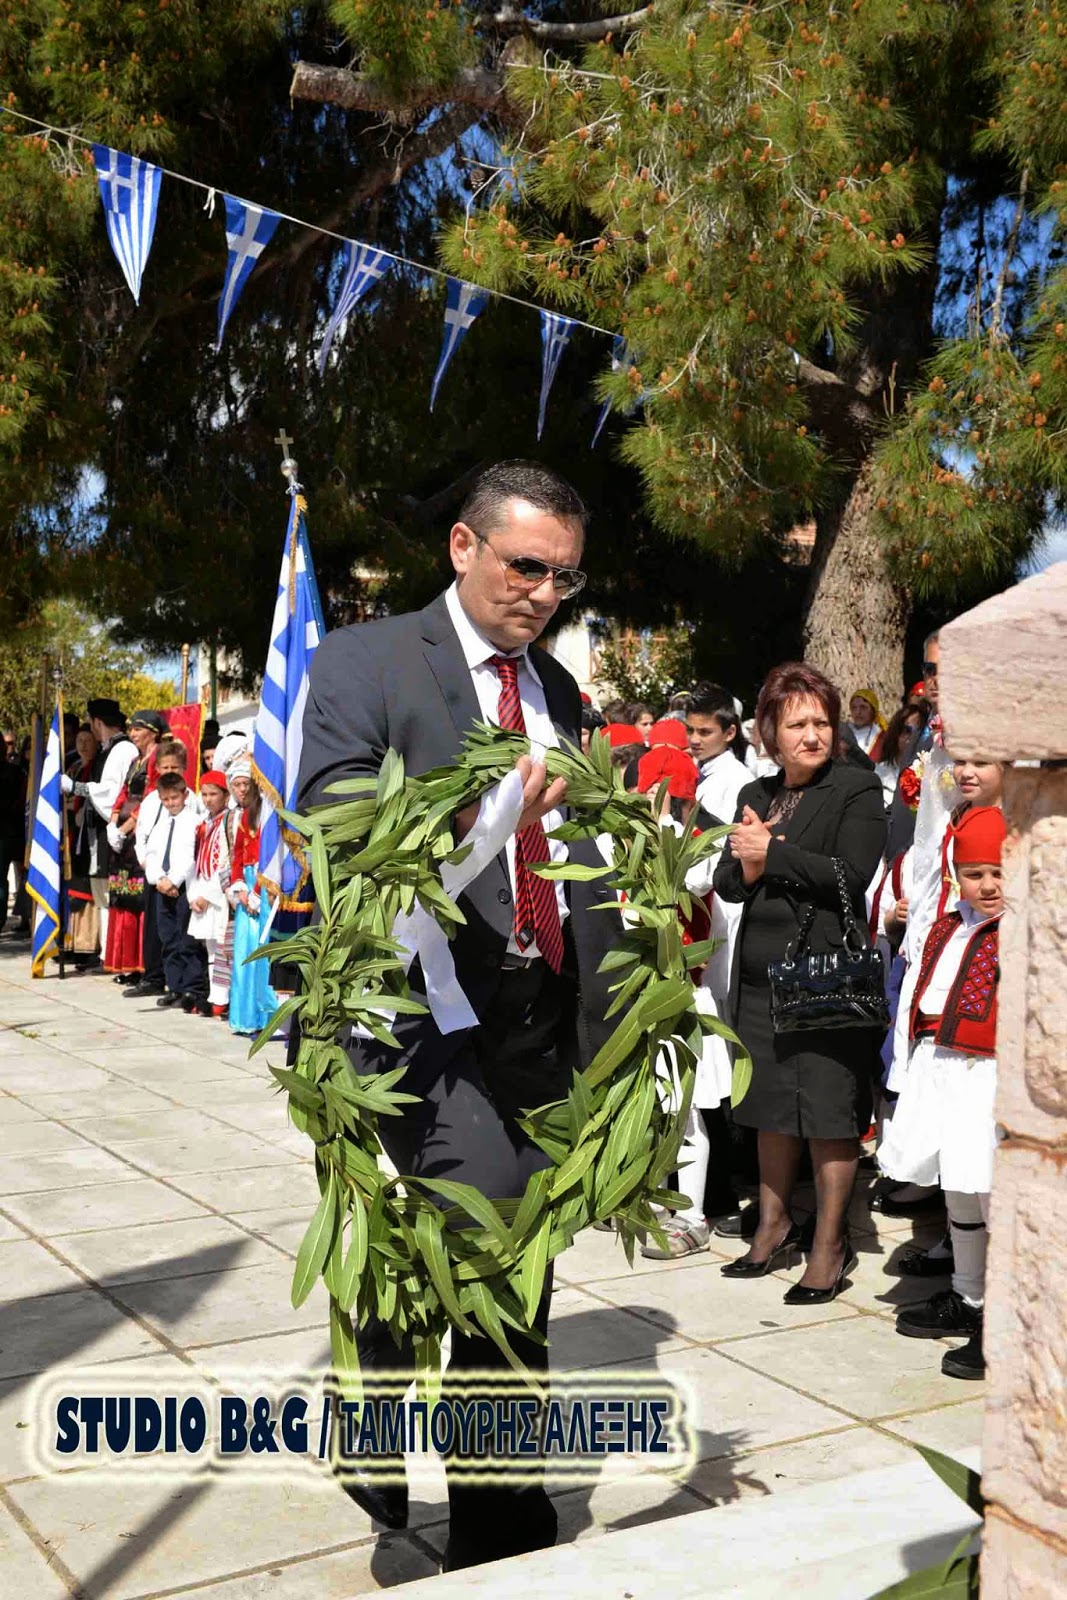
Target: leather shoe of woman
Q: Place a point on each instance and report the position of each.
(747, 1268)
(800, 1295)
(387, 1503)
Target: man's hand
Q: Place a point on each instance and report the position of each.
(537, 800)
(165, 886)
(749, 842)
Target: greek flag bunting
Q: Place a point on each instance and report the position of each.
(556, 331)
(363, 267)
(249, 229)
(129, 189)
(295, 635)
(462, 304)
(621, 356)
(44, 878)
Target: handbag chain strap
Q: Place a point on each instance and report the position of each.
(798, 946)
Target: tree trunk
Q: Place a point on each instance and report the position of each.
(855, 616)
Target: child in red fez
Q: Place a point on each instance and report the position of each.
(943, 1128)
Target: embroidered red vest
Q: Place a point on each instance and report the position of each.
(969, 1020)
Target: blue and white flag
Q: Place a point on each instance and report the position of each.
(129, 189)
(295, 635)
(463, 303)
(621, 355)
(556, 331)
(44, 880)
(249, 230)
(363, 267)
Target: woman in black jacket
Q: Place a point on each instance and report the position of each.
(778, 861)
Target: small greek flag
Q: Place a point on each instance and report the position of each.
(129, 189)
(295, 635)
(556, 331)
(249, 230)
(44, 878)
(462, 304)
(363, 268)
(621, 356)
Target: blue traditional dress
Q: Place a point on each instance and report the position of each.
(252, 1000)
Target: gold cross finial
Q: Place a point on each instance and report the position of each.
(288, 462)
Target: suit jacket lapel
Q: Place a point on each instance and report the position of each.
(811, 805)
(445, 659)
(556, 699)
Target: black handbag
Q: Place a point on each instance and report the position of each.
(841, 989)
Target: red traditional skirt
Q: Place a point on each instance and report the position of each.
(124, 950)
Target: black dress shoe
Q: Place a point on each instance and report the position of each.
(141, 990)
(966, 1362)
(169, 1000)
(916, 1263)
(387, 1503)
(739, 1224)
(885, 1203)
(801, 1295)
(944, 1314)
(747, 1268)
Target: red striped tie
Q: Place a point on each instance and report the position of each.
(536, 906)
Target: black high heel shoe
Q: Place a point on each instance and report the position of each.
(745, 1268)
(799, 1295)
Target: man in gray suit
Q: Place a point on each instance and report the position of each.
(528, 955)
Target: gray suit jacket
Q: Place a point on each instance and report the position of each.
(403, 683)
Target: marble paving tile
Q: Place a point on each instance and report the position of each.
(112, 1098)
(75, 1328)
(107, 1205)
(710, 1307)
(25, 1075)
(147, 1251)
(249, 1190)
(13, 1113)
(69, 1169)
(10, 1229)
(160, 1122)
(215, 1306)
(123, 1537)
(951, 1428)
(219, 1150)
(303, 1355)
(28, 1268)
(596, 1256)
(827, 1458)
(33, 1138)
(380, 1563)
(731, 1412)
(587, 1333)
(869, 1370)
(25, 1570)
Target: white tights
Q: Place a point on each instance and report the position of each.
(693, 1169)
(968, 1218)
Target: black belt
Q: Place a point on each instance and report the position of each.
(518, 963)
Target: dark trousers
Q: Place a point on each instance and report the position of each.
(151, 944)
(184, 958)
(522, 1056)
(10, 851)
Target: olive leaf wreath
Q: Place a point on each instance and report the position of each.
(382, 1244)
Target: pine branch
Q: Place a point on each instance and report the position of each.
(511, 20)
(843, 414)
(476, 87)
(1009, 256)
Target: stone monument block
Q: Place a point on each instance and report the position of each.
(1018, 1567)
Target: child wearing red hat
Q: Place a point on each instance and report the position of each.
(209, 907)
(943, 1128)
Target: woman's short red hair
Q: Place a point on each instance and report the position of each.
(794, 680)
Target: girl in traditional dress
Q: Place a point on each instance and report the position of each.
(252, 1000)
(83, 922)
(208, 893)
(125, 897)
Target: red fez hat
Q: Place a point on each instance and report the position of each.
(669, 731)
(216, 778)
(623, 733)
(665, 762)
(979, 837)
(587, 699)
(917, 690)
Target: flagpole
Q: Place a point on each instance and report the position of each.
(289, 470)
(64, 834)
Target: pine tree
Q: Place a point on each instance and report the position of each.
(767, 201)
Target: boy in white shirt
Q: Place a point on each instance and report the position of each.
(170, 856)
(717, 745)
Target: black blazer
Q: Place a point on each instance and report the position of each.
(403, 683)
(842, 815)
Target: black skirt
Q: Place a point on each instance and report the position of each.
(817, 1085)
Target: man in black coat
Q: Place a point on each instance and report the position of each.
(528, 955)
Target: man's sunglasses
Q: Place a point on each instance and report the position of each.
(528, 572)
(929, 669)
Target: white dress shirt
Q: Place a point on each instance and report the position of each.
(182, 848)
(104, 791)
(478, 653)
(864, 737)
(148, 818)
(721, 781)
